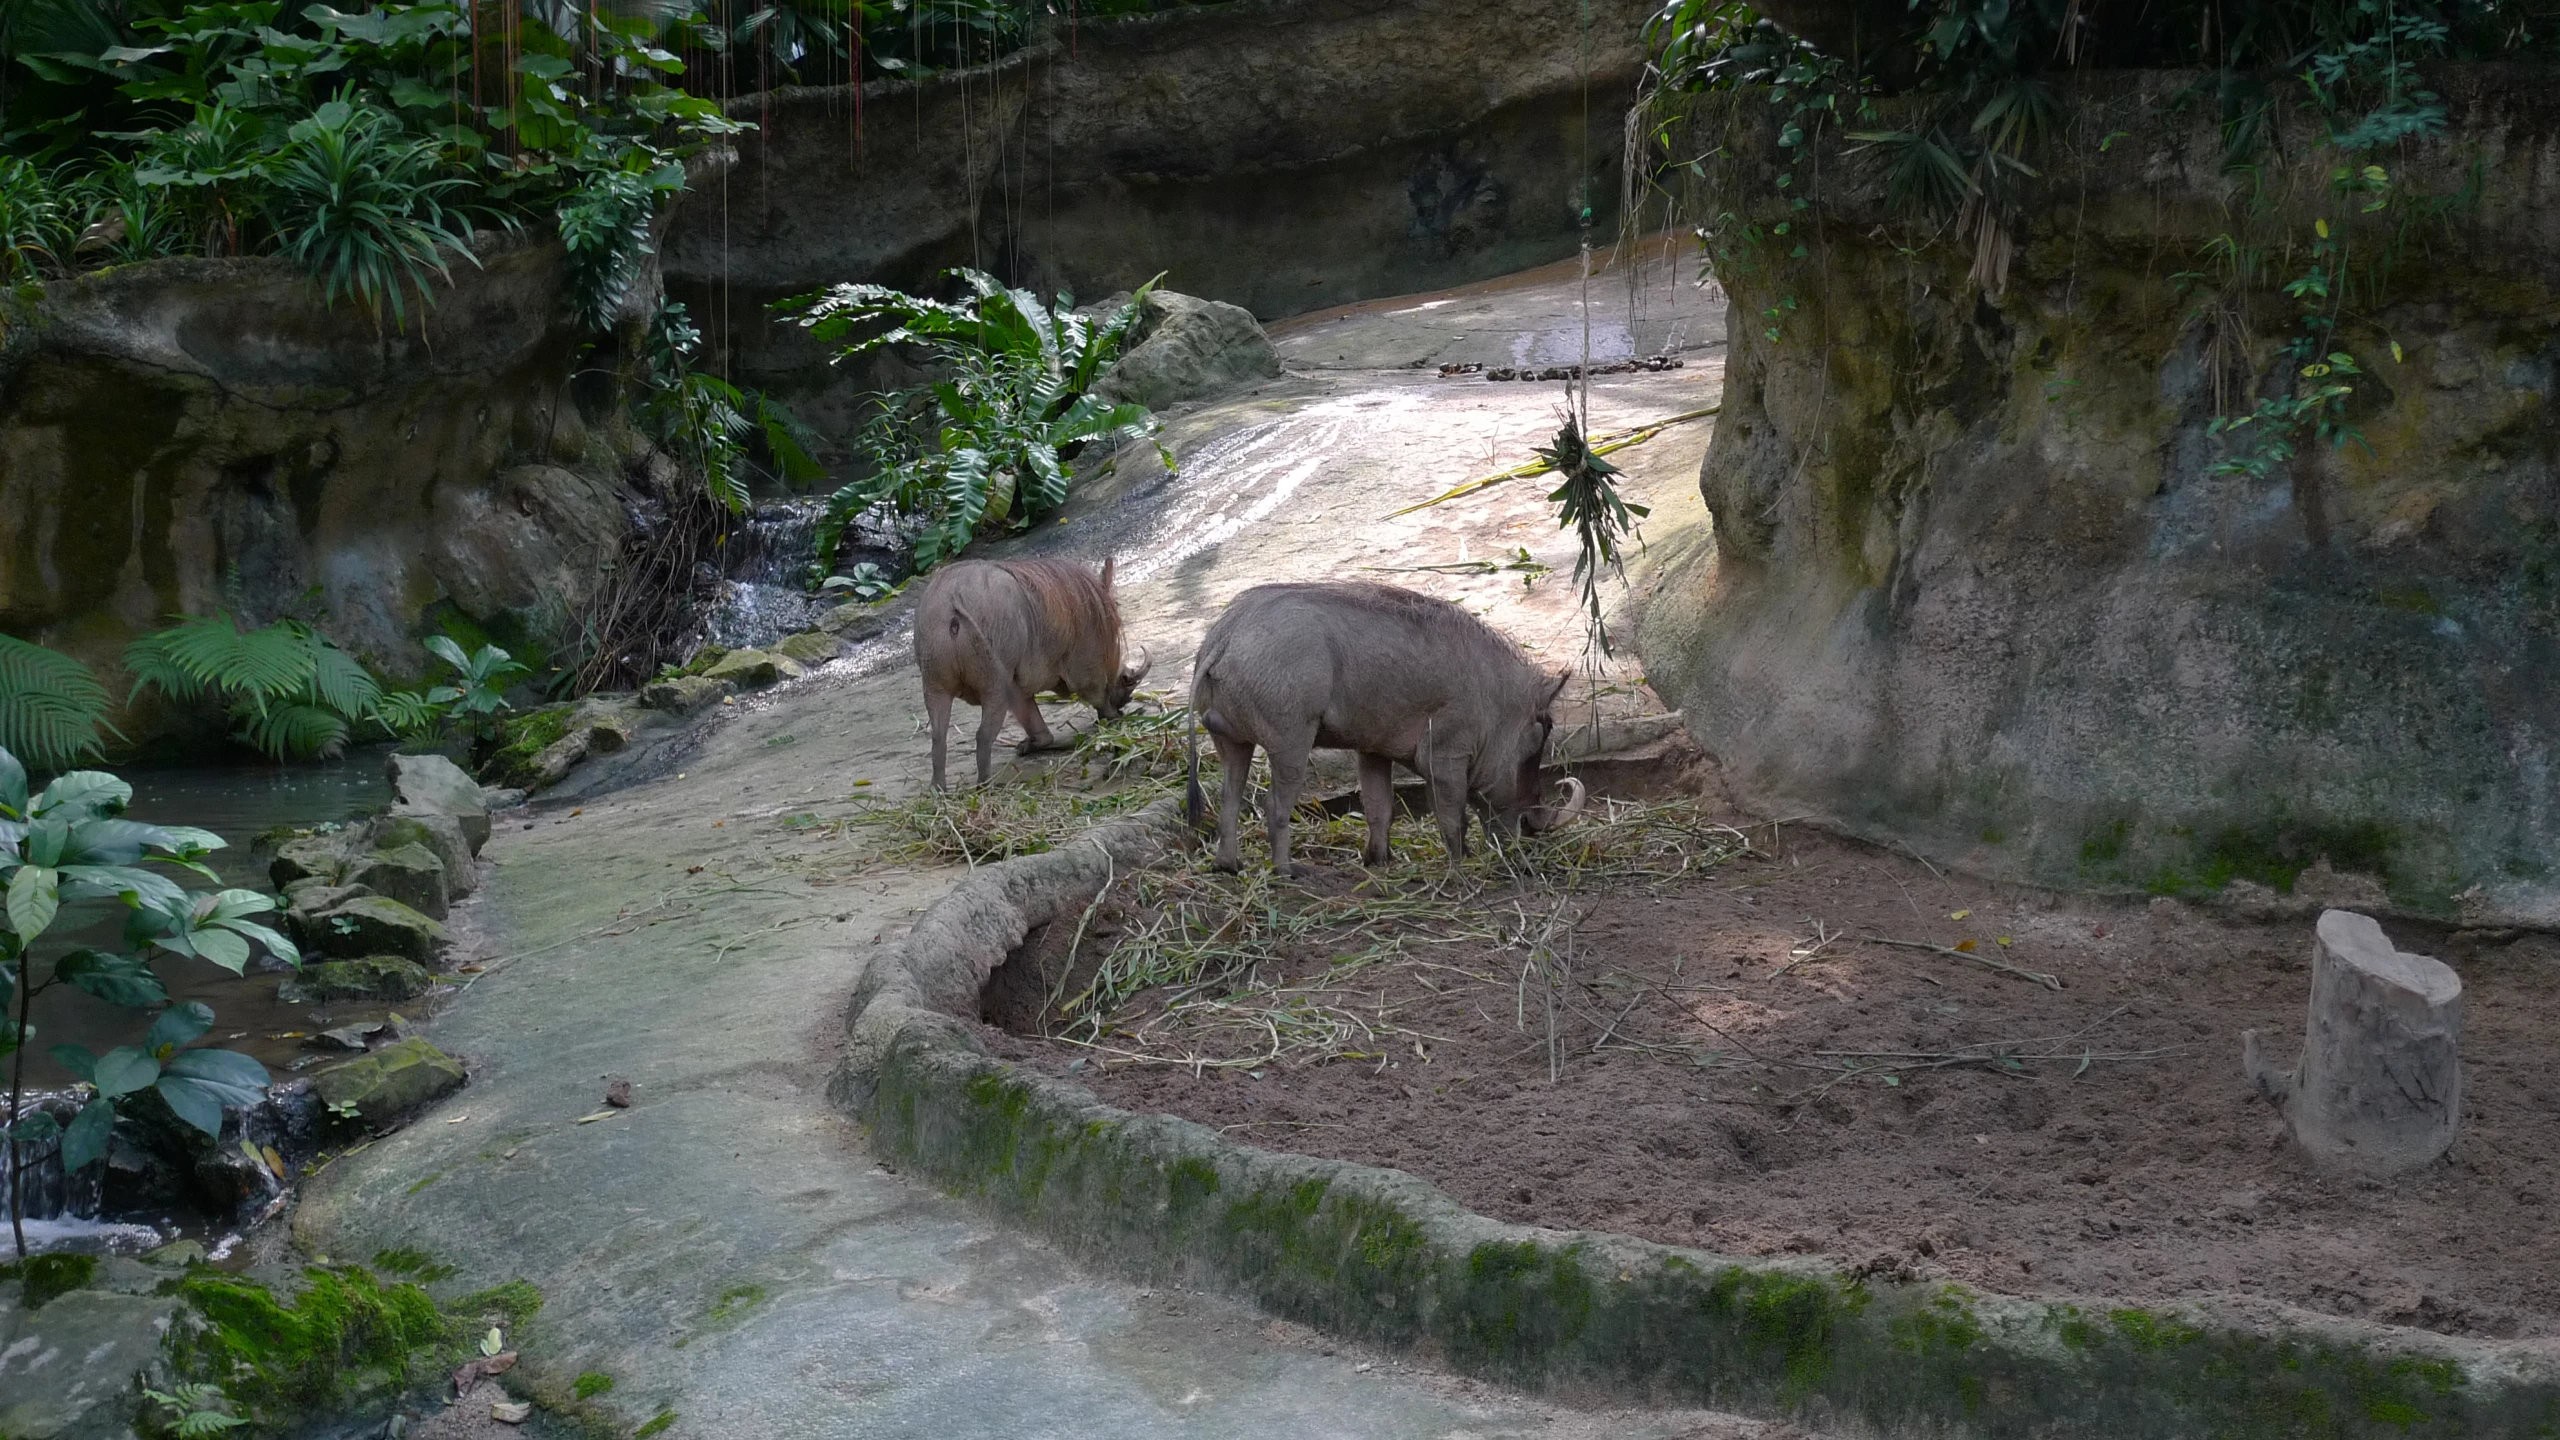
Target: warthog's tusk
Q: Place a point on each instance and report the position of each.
(1574, 796)
(1145, 663)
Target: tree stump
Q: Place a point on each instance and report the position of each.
(2379, 1089)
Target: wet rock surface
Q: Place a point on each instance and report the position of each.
(369, 978)
(390, 1084)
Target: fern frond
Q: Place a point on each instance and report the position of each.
(294, 730)
(204, 652)
(51, 706)
(341, 682)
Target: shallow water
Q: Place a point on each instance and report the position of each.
(238, 803)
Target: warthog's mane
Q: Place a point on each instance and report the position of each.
(1439, 618)
(1070, 598)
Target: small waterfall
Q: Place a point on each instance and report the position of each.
(764, 570)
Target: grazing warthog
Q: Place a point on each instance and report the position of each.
(1401, 678)
(998, 632)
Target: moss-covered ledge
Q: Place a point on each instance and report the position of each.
(1380, 1256)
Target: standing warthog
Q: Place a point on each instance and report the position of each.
(998, 632)
(1401, 678)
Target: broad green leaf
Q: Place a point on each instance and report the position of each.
(142, 889)
(117, 979)
(13, 787)
(200, 1084)
(444, 648)
(84, 793)
(277, 945)
(77, 1060)
(122, 1071)
(84, 1140)
(34, 897)
(178, 1025)
(39, 1128)
(222, 947)
(233, 904)
(110, 842)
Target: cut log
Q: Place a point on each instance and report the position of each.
(2379, 1090)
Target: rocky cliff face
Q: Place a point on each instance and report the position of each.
(1281, 155)
(1977, 585)
(190, 434)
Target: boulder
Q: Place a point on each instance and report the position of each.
(851, 623)
(309, 857)
(67, 1370)
(306, 898)
(745, 669)
(390, 1083)
(366, 925)
(410, 874)
(434, 785)
(809, 647)
(685, 694)
(502, 797)
(1185, 348)
(557, 759)
(371, 977)
(441, 834)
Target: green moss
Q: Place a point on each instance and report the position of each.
(2104, 846)
(1520, 1302)
(49, 1276)
(591, 1384)
(523, 738)
(411, 1265)
(346, 1337)
(660, 1421)
(1797, 1316)
(423, 1181)
(1191, 1182)
(512, 1304)
(1945, 1325)
(2146, 1331)
(735, 1301)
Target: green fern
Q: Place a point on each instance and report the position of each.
(51, 706)
(293, 694)
(212, 653)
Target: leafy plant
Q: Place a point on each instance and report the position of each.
(997, 433)
(195, 1410)
(51, 706)
(867, 582)
(1588, 503)
(292, 693)
(67, 843)
(361, 207)
(704, 420)
(477, 691)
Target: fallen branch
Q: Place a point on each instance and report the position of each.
(2039, 977)
(1601, 445)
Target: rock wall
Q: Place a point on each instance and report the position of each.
(189, 434)
(1281, 155)
(1977, 588)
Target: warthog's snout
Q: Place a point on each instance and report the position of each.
(1547, 817)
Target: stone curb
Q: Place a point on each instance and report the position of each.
(1380, 1256)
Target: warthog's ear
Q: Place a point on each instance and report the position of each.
(1564, 677)
(1109, 563)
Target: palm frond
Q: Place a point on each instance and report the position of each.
(51, 706)
(341, 682)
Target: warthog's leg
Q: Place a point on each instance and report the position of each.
(1449, 807)
(937, 711)
(1035, 726)
(1235, 760)
(1378, 802)
(992, 708)
(1288, 777)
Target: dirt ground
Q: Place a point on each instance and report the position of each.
(1736, 1067)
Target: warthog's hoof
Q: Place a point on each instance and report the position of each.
(1028, 746)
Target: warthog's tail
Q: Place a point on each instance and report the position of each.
(1195, 806)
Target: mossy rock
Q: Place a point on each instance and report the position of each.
(371, 977)
(809, 647)
(410, 874)
(389, 1084)
(685, 694)
(367, 925)
(746, 669)
(311, 857)
(523, 739)
(849, 623)
(442, 834)
(703, 659)
(44, 1277)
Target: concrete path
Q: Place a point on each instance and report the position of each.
(726, 1250)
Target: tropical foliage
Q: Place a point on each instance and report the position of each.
(51, 706)
(64, 844)
(1984, 86)
(992, 443)
(293, 693)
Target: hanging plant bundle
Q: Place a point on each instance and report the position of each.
(1588, 502)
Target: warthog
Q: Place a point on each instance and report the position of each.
(998, 632)
(1401, 678)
